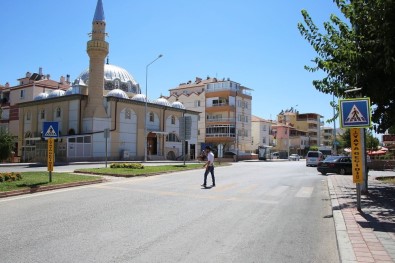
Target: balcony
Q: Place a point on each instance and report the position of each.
(220, 107)
(221, 120)
(220, 133)
(220, 137)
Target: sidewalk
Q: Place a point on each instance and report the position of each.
(367, 236)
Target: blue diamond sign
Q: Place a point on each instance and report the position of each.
(50, 129)
(355, 113)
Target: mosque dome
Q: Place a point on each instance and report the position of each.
(115, 78)
(118, 93)
(139, 97)
(178, 105)
(56, 93)
(41, 96)
(69, 91)
(162, 101)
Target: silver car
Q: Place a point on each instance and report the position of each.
(294, 157)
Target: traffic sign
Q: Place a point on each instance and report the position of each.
(50, 129)
(51, 154)
(355, 113)
(357, 155)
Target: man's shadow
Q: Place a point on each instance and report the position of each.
(206, 187)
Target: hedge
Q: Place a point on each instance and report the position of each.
(9, 177)
(127, 165)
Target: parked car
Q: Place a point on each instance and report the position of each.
(294, 157)
(275, 155)
(313, 157)
(335, 164)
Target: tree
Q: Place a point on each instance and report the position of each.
(371, 142)
(359, 52)
(6, 145)
(391, 130)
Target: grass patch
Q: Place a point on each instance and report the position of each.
(387, 179)
(37, 179)
(127, 172)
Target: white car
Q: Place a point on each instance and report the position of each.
(275, 155)
(294, 157)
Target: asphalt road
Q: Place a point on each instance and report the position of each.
(259, 212)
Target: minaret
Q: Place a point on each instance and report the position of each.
(97, 49)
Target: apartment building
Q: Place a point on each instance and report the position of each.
(308, 122)
(327, 138)
(28, 87)
(225, 111)
(262, 135)
(296, 131)
(289, 140)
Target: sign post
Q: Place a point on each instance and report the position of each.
(50, 131)
(355, 114)
(106, 135)
(220, 151)
(51, 155)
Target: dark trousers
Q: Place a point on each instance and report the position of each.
(209, 169)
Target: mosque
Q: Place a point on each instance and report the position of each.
(103, 114)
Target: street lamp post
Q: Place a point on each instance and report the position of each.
(145, 106)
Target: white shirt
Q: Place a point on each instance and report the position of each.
(210, 158)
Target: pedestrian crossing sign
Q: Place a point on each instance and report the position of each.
(355, 113)
(50, 129)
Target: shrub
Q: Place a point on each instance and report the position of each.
(127, 165)
(9, 177)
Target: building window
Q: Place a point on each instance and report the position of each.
(58, 113)
(264, 140)
(197, 103)
(42, 114)
(173, 120)
(151, 117)
(22, 94)
(130, 87)
(116, 84)
(171, 137)
(28, 116)
(264, 128)
(128, 114)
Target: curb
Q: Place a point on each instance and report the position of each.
(346, 251)
(48, 188)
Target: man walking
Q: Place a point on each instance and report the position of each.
(209, 166)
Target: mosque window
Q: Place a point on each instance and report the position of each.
(109, 85)
(130, 87)
(42, 114)
(127, 114)
(173, 120)
(151, 117)
(58, 113)
(116, 82)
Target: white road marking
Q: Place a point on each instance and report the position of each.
(278, 190)
(305, 192)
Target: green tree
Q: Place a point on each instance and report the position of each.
(358, 52)
(371, 142)
(6, 145)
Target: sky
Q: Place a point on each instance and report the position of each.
(253, 42)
